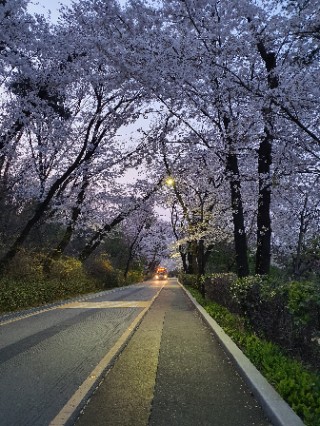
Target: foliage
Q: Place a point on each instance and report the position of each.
(284, 312)
(221, 258)
(134, 276)
(26, 284)
(306, 265)
(20, 293)
(66, 269)
(101, 269)
(304, 302)
(295, 383)
(27, 265)
(241, 147)
(218, 288)
(189, 280)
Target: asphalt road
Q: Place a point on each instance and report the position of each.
(47, 355)
(173, 372)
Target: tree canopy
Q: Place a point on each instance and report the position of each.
(223, 97)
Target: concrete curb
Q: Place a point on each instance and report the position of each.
(276, 409)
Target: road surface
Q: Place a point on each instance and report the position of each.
(173, 372)
(47, 355)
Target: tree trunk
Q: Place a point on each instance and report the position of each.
(240, 238)
(239, 232)
(302, 232)
(132, 250)
(76, 210)
(15, 132)
(201, 257)
(191, 259)
(184, 259)
(263, 255)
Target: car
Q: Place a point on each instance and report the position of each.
(161, 273)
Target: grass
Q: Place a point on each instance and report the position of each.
(297, 385)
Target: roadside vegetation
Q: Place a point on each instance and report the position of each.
(26, 284)
(276, 325)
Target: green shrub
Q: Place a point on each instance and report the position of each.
(189, 280)
(26, 285)
(285, 313)
(26, 265)
(241, 289)
(66, 269)
(20, 294)
(304, 302)
(33, 280)
(218, 288)
(101, 270)
(134, 276)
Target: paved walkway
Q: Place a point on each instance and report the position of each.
(172, 372)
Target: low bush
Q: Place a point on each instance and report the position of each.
(304, 302)
(19, 294)
(189, 280)
(295, 383)
(26, 285)
(218, 288)
(26, 265)
(286, 313)
(101, 269)
(263, 302)
(33, 280)
(134, 276)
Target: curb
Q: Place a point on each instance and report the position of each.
(276, 409)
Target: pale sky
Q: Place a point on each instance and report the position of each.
(42, 7)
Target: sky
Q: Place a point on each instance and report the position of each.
(42, 7)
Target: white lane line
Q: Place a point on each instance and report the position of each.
(106, 305)
(72, 406)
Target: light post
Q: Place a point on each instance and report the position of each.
(169, 181)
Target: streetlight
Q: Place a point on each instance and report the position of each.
(169, 181)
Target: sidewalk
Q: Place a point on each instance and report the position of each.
(173, 372)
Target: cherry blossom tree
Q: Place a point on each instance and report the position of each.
(230, 96)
